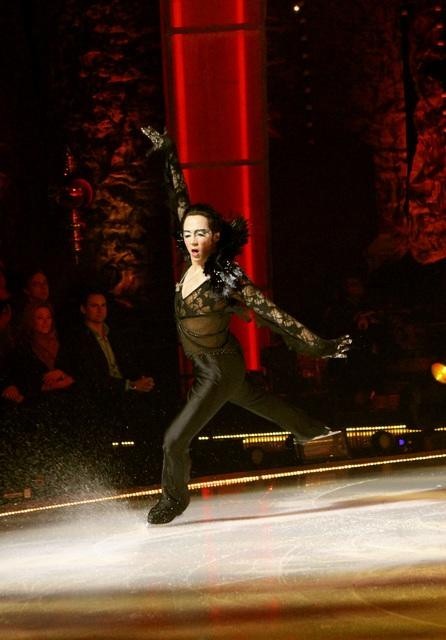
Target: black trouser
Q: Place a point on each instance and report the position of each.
(220, 379)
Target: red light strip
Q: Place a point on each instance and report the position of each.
(180, 93)
(245, 185)
(252, 338)
(176, 13)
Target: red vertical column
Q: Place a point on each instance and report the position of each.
(215, 87)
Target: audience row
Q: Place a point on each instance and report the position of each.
(75, 389)
(73, 382)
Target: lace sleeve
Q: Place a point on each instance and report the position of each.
(178, 188)
(173, 174)
(296, 335)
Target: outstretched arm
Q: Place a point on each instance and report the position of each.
(295, 334)
(173, 173)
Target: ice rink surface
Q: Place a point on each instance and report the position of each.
(342, 555)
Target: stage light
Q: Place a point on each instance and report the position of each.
(438, 371)
(296, 8)
(278, 436)
(250, 437)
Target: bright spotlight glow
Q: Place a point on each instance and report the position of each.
(89, 567)
(296, 8)
(438, 371)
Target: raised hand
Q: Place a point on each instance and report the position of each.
(342, 347)
(173, 173)
(159, 140)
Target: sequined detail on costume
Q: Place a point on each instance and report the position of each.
(227, 278)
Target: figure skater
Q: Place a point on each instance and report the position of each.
(212, 288)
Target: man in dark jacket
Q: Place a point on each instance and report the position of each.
(115, 398)
(96, 358)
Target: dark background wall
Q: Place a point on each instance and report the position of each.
(356, 94)
(84, 76)
(342, 96)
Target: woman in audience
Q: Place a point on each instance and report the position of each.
(35, 370)
(36, 430)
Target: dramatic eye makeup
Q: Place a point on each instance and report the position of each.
(201, 233)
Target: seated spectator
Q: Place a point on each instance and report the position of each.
(30, 289)
(36, 426)
(93, 354)
(353, 312)
(36, 288)
(10, 395)
(34, 368)
(8, 390)
(117, 396)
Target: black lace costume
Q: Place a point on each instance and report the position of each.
(203, 319)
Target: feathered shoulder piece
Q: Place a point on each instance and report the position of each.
(225, 275)
(233, 236)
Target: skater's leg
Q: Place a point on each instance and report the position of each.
(283, 413)
(216, 378)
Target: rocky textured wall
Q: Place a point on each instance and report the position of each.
(378, 114)
(427, 181)
(107, 83)
(366, 73)
(417, 223)
(398, 107)
(354, 81)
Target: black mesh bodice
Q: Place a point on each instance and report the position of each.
(203, 319)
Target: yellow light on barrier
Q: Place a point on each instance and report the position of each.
(242, 479)
(439, 372)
